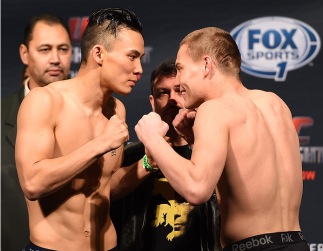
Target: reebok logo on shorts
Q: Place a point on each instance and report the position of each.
(264, 240)
(254, 242)
(286, 238)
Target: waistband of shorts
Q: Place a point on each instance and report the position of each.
(32, 246)
(268, 239)
(114, 249)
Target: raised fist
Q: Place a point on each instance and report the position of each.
(150, 126)
(183, 124)
(114, 134)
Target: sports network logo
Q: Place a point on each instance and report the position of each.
(272, 46)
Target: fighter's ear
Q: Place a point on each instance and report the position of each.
(97, 53)
(152, 102)
(23, 51)
(207, 65)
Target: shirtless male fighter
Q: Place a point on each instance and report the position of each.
(69, 138)
(244, 144)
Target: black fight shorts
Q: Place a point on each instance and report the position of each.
(289, 241)
(32, 247)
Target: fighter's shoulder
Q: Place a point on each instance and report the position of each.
(115, 106)
(269, 99)
(215, 106)
(38, 94)
(215, 110)
(60, 88)
(41, 98)
(265, 96)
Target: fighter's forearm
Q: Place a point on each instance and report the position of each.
(183, 175)
(127, 179)
(48, 175)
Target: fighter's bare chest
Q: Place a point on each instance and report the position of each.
(76, 130)
(76, 127)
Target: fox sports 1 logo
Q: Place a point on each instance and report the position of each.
(272, 46)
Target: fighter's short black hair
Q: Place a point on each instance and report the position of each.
(164, 69)
(106, 23)
(46, 18)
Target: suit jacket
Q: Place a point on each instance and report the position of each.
(14, 214)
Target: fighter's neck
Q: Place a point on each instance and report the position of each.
(223, 87)
(89, 90)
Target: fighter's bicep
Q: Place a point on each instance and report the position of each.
(35, 128)
(211, 142)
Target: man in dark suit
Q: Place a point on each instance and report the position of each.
(47, 53)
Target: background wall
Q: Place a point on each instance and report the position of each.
(165, 25)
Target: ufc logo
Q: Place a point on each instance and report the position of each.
(302, 122)
(77, 26)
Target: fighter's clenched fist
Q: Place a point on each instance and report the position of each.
(114, 134)
(183, 124)
(150, 126)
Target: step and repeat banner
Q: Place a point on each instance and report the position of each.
(280, 45)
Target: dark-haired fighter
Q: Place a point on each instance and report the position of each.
(69, 138)
(245, 145)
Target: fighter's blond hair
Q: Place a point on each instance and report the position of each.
(219, 45)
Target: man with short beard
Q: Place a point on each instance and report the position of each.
(46, 52)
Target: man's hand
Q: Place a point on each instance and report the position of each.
(183, 124)
(150, 126)
(114, 134)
